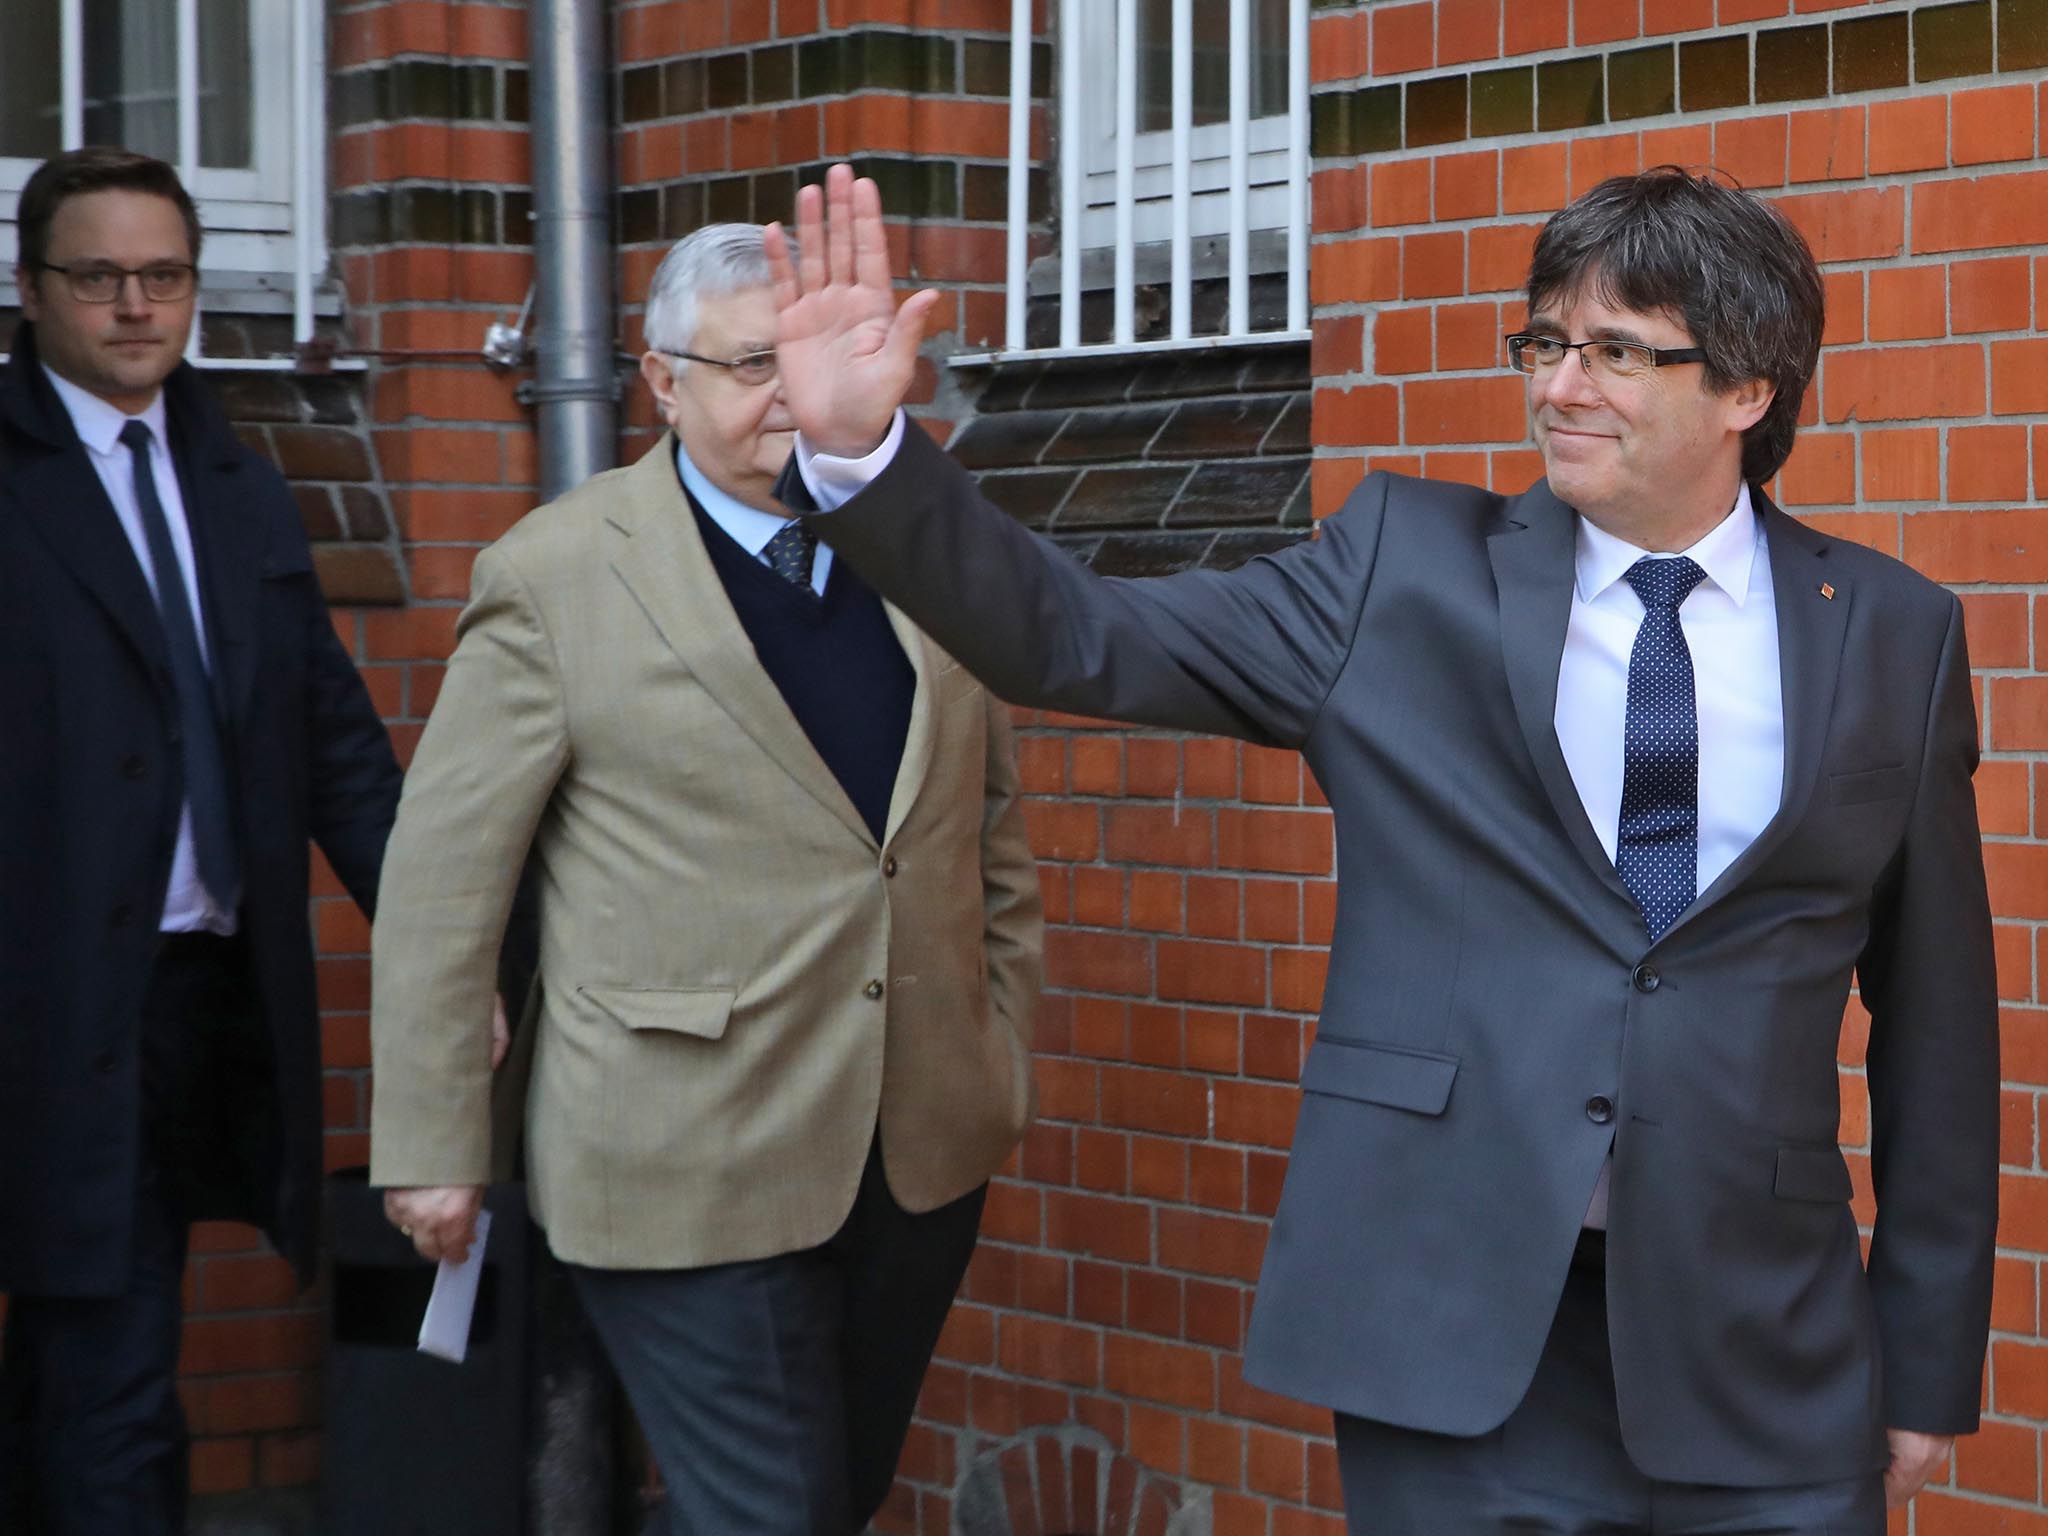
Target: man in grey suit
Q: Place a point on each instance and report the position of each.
(1632, 775)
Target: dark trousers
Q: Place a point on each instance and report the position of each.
(92, 1437)
(775, 1394)
(1557, 1466)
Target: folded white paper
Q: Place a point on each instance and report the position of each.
(444, 1331)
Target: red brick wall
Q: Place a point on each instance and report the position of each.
(1188, 882)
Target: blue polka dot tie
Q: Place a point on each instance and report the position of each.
(789, 553)
(1658, 848)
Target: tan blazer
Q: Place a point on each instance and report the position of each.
(737, 984)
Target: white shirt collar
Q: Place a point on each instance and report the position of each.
(98, 423)
(1725, 554)
(750, 527)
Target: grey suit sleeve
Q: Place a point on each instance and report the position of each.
(1928, 979)
(1251, 653)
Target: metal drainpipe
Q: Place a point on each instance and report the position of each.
(576, 386)
(575, 393)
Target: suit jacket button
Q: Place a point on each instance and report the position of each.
(1599, 1109)
(889, 867)
(132, 766)
(103, 1059)
(1646, 978)
(873, 989)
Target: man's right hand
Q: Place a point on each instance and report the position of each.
(441, 1221)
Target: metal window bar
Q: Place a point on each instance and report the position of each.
(1074, 129)
(308, 110)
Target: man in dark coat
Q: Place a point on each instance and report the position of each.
(177, 720)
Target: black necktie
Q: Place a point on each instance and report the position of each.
(789, 553)
(1658, 848)
(206, 780)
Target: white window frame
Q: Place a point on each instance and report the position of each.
(266, 225)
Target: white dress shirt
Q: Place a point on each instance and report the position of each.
(750, 527)
(1730, 622)
(188, 908)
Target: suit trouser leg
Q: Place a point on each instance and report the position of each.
(90, 1384)
(775, 1394)
(1558, 1467)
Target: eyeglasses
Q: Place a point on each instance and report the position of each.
(1601, 359)
(163, 282)
(749, 368)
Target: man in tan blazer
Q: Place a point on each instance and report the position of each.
(789, 940)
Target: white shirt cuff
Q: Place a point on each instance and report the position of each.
(833, 481)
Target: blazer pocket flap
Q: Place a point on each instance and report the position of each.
(1876, 784)
(699, 1011)
(1813, 1173)
(1377, 1074)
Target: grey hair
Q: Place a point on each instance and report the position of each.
(707, 264)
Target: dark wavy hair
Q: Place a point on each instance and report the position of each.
(96, 168)
(1723, 260)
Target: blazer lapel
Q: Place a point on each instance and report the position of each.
(662, 561)
(1533, 571)
(1813, 601)
(925, 660)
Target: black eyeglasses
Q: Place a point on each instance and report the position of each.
(750, 368)
(1601, 359)
(163, 282)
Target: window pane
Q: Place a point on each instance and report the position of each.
(225, 104)
(131, 75)
(31, 72)
(131, 78)
(1209, 22)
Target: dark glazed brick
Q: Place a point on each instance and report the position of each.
(1120, 433)
(1436, 111)
(1792, 64)
(725, 81)
(518, 217)
(358, 575)
(1218, 429)
(821, 66)
(258, 397)
(640, 215)
(775, 197)
(1232, 550)
(1232, 495)
(426, 215)
(682, 208)
(1122, 498)
(1290, 433)
(317, 514)
(1714, 73)
(774, 74)
(1952, 40)
(985, 194)
(1032, 496)
(903, 61)
(517, 88)
(365, 511)
(2022, 34)
(985, 68)
(1066, 385)
(682, 87)
(1640, 83)
(1350, 123)
(1006, 440)
(1569, 95)
(1004, 388)
(1158, 554)
(420, 88)
(356, 96)
(331, 400)
(1278, 368)
(1870, 54)
(361, 218)
(640, 93)
(1220, 372)
(477, 211)
(321, 453)
(476, 92)
(729, 200)
(1503, 101)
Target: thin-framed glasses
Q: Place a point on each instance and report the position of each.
(750, 368)
(1601, 359)
(163, 282)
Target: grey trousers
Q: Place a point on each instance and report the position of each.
(1557, 1467)
(775, 1394)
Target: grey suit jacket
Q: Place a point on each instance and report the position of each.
(1492, 989)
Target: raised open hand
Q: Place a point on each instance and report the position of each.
(844, 350)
